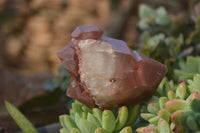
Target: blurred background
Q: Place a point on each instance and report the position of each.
(33, 31)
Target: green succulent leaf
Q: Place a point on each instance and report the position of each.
(101, 130)
(72, 113)
(176, 117)
(97, 113)
(121, 119)
(108, 120)
(77, 119)
(175, 105)
(63, 124)
(147, 116)
(126, 130)
(181, 91)
(74, 130)
(191, 123)
(154, 120)
(86, 109)
(163, 126)
(76, 107)
(91, 118)
(133, 114)
(171, 95)
(64, 130)
(165, 115)
(162, 102)
(69, 122)
(153, 107)
(148, 129)
(25, 125)
(86, 126)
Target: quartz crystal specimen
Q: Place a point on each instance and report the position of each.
(105, 72)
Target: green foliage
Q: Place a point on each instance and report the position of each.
(85, 120)
(25, 125)
(162, 48)
(157, 40)
(188, 69)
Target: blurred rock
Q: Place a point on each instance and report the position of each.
(18, 89)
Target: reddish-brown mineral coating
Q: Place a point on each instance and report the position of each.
(104, 71)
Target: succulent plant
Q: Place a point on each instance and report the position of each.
(176, 110)
(188, 68)
(85, 120)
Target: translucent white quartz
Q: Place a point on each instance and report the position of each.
(97, 66)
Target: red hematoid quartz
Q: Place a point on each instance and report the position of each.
(105, 72)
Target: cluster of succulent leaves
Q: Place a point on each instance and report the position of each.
(173, 109)
(85, 120)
